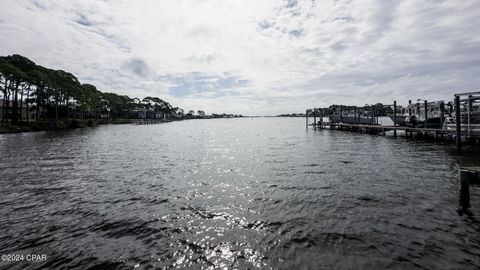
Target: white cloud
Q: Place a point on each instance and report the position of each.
(279, 56)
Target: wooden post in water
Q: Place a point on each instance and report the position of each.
(320, 119)
(426, 114)
(458, 123)
(354, 118)
(306, 119)
(469, 110)
(314, 118)
(373, 116)
(465, 176)
(442, 112)
(355, 115)
(395, 118)
(409, 109)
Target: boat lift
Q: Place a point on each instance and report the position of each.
(469, 106)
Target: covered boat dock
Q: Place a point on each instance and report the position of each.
(460, 122)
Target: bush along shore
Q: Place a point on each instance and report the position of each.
(46, 125)
(36, 98)
(61, 124)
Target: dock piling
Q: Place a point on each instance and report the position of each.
(442, 112)
(306, 119)
(426, 113)
(458, 124)
(409, 108)
(394, 119)
(373, 116)
(464, 188)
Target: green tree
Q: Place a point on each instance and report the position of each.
(58, 94)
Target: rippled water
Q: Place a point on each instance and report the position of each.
(237, 193)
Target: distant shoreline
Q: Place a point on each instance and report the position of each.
(37, 98)
(69, 124)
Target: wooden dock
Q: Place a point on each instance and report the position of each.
(379, 129)
(147, 122)
(365, 119)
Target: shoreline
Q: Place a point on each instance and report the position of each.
(61, 125)
(68, 124)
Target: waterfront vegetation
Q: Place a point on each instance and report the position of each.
(34, 97)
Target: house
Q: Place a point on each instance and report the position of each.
(141, 114)
(31, 114)
(105, 112)
(149, 114)
(159, 115)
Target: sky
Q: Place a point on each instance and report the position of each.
(254, 57)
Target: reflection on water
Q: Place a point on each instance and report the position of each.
(237, 193)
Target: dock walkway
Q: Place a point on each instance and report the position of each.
(408, 131)
(462, 108)
(147, 122)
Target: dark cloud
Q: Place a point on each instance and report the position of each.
(265, 25)
(344, 19)
(138, 67)
(83, 20)
(292, 3)
(38, 4)
(204, 85)
(296, 33)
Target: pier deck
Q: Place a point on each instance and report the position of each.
(364, 119)
(408, 131)
(147, 122)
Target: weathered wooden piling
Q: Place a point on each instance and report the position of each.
(373, 115)
(426, 113)
(464, 180)
(458, 124)
(442, 112)
(321, 117)
(306, 119)
(409, 108)
(394, 119)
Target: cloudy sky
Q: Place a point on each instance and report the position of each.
(254, 57)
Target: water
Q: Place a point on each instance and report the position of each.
(237, 193)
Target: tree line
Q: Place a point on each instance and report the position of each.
(31, 92)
